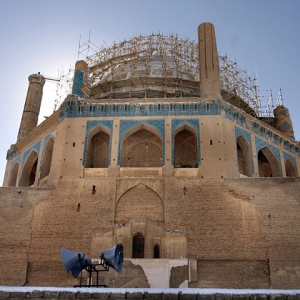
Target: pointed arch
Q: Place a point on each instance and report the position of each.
(47, 158)
(290, 169)
(244, 156)
(29, 170)
(157, 127)
(191, 125)
(148, 204)
(98, 149)
(141, 147)
(185, 147)
(14, 175)
(268, 164)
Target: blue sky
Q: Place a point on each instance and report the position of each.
(43, 36)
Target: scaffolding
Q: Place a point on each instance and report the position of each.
(158, 66)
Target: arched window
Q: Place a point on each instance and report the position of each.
(47, 159)
(138, 246)
(14, 175)
(142, 148)
(156, 253)
(29, 170)
(244, 156)
(185, 149)
(290, 169)
(267, 163)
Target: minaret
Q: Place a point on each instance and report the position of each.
(208, 62)
(32, 104)
(81, 83)
(283, 122)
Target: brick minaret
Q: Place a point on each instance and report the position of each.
(32, 104)
(81, 84)
(209, 62)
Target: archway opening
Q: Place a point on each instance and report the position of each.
(244, 156)
(47, 159)
(185, 149)
(14, 175)
(267, 163)
(138, 246)
(141, 149)
(290, 169)
(29, 170)
(98, 150)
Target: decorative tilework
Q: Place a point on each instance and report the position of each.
(232, 114)
(287, 156)
(78, 83)
(11, 154)
(259, 144)
(46, 140)
(274, 138)
(76, 108)
(90, 125)
(17, 160)
(158, 125)
(176, 123)
(246, 134)
(35, 148)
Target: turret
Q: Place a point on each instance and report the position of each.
(208, 62)
(283, 121)
(81, 82)
(32, 104)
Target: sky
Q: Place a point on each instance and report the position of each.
(262, 36)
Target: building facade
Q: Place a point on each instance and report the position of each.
(160, 150)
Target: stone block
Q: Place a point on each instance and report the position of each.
(240, 297)
(153, 296)
(205, 297)
(67, 295)
(188, 296)
(135, 296)
(35, 294)
(51, 295)
(4, 295)
(293, 297)
(278, 297)
(17, 295)
(258, 297)
(102, 296)
(117, 296)
(169, 296)
(84, 295)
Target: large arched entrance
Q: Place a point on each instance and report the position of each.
(98, 149)
(185, 148)
(268, 165)
(47, 159)
(29, 170)
(142, 147)
(290, 169)
(244, 156)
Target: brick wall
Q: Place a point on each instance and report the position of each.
(244, 233)
(174, 294)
